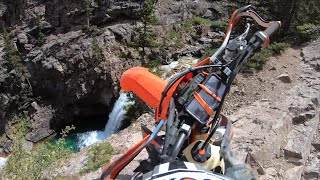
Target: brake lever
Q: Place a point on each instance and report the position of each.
(245, 33)
(255, 16)
(236, 45)
(233, 21)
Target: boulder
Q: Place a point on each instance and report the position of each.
(303, 117)
(299, 141)
(39, 134)
(312, 170)
(272, 172)
(122, 32)
(255, 164)
(285, 78)
(294, 173)
(22, 38)
(205, 40)
(208, 14)
(8, 146)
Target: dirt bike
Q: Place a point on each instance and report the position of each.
(197, 136)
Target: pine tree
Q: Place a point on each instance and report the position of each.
(146, 38)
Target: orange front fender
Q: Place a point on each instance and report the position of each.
(144, 84)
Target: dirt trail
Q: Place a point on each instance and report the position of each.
(277, 120)
(264, 85)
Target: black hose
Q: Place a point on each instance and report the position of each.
(178, 145)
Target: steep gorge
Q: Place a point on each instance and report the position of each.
(73, 53)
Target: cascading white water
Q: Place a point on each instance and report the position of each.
(3, 162)
(114, 123)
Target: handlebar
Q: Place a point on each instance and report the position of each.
(274, 26)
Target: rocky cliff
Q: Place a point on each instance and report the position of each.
(69, 55)
(73, 70)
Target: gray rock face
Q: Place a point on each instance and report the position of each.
(62, 67)
(4, 98)
(311, 54)
(66, 73)
(40, 118)
(172, 12)
(299, 144)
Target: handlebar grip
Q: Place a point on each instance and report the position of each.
(275, 26)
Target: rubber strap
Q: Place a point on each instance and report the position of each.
(205, 106)
(210, 92)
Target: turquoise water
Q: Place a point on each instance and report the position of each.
(70, 143)
(77, 140)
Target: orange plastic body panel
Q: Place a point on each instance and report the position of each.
(144, 84)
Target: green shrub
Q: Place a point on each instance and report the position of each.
(277, 48)
(153, 64)
(154, 67)
(133, 110)
(219, 25)
(97, 53)
(305, 33)
(305, 26)
(31, 164)
(99, 155)
(12, 57)
(196, 20)
(94, 30)
(174, 38)
(259, 59)
(41, 38)
(208, 53)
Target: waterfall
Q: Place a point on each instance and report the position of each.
(114, 123)
(3, 161)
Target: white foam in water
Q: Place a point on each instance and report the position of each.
(114, 123)
(3, 162)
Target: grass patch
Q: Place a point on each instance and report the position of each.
(187, 26)
(99, 155)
